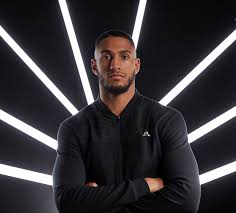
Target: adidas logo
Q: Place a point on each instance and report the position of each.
(146, 134)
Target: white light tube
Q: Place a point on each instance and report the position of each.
(138, 21)
(76, 51)
(198, 69)
(221, 119)
(27, 129)
(37, 71)
(25, 174)
(217, 173)
(47, 179)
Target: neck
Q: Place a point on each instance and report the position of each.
(116, 103)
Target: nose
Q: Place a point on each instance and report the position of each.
(115, 64)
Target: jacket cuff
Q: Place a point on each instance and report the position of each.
(141, 187)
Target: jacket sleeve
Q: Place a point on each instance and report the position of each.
(179, 170)
(69, 178)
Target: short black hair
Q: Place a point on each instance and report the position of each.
(114, 33)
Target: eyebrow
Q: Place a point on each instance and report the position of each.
(122, 51)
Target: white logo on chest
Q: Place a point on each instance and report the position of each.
(146, 134)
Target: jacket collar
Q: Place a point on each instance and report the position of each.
(131, 106)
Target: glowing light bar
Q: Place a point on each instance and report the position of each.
(199, 69)
(76, 51)
(37, 71)
(212, 125)
(27, 129)
(217, 173)
(47, 179)
(25, 174)
(138, 21)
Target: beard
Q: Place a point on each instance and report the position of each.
(116, 90)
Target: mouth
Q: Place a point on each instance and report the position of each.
(116, 76)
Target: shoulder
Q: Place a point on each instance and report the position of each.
(81, 118)
(158, 111)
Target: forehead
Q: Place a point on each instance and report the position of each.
(115, 44)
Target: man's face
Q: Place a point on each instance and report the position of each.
(115, 64)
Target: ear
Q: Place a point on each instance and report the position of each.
(94, 66)
(136, 65)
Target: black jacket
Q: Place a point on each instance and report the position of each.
(118, 152)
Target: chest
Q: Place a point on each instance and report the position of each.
(123, 148)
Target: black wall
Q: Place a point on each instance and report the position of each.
(175, 37)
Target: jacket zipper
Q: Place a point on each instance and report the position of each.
(121, 152)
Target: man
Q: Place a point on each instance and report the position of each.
(125, 152)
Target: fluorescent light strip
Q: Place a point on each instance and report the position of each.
(37, 71)
(25, 174)
(76, 51)
(217, 173)
(27, 129)
(138, 21)
(47, 179)
(212, 125)
(199, 69)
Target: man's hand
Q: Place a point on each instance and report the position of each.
(91, 184)
(155, 184)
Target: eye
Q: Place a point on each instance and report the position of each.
(107, 57)
(125, 57)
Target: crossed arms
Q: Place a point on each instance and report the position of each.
(181, 191)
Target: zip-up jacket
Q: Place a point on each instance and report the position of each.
(117, 152)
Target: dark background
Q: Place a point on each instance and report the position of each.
(175, 37)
